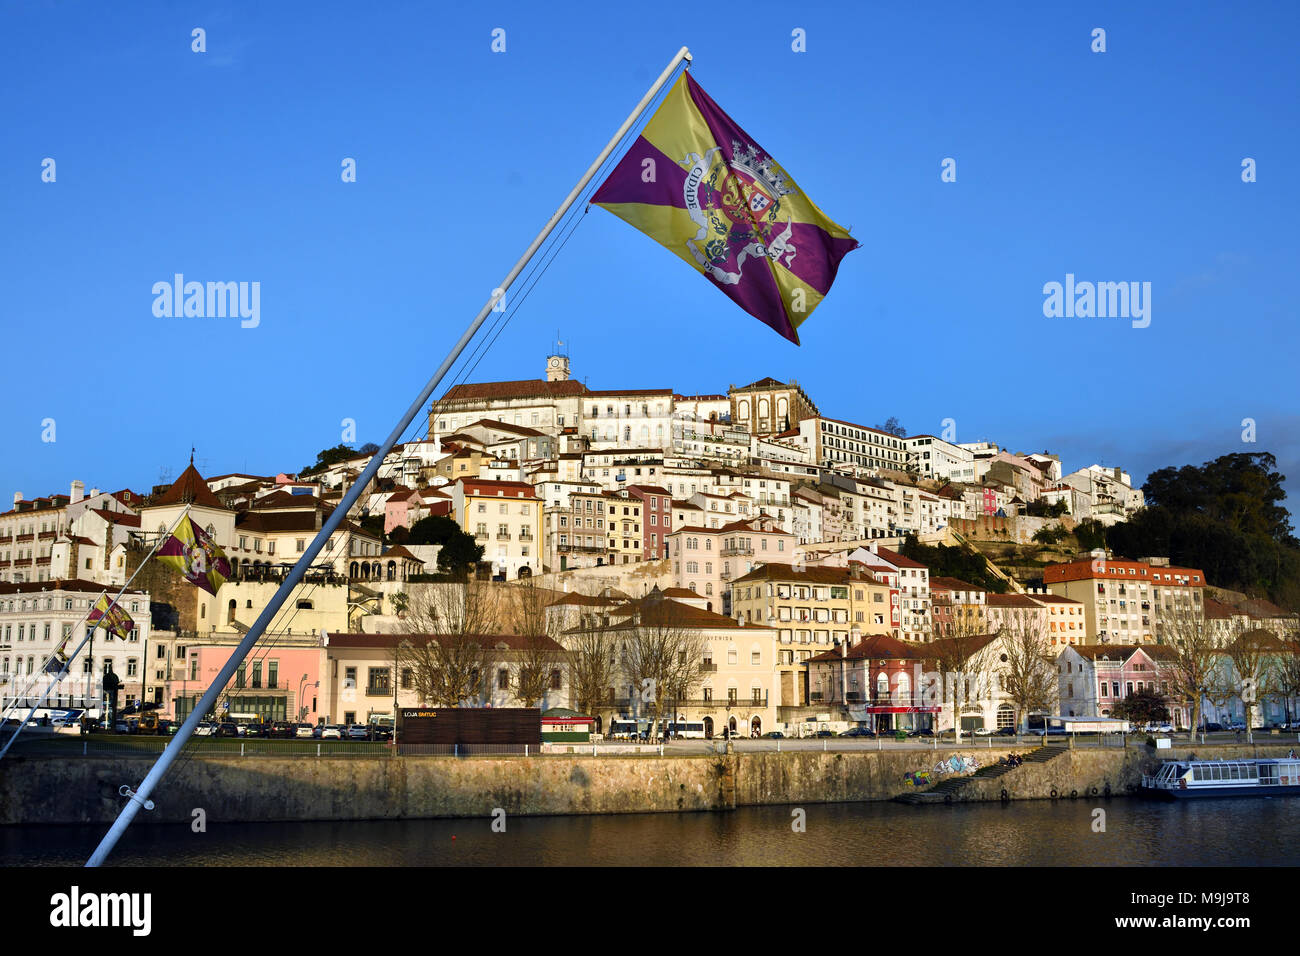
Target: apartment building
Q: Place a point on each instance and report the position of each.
(1093, 678)
(1129, 602)
(657, 510)
(506, 518)
(812, 608)
(769, 407)
(831, 441)
(39, 617)
(705, 559)
(937, 459)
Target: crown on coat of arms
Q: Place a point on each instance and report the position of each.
(763, 170)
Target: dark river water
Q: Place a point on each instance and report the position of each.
(1240, 832)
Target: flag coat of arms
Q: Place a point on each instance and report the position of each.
(697, 183)
(196, 556)
(112, 618)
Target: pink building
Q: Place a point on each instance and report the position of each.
(279, 682)
(1093, 678)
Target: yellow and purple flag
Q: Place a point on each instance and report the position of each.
(698, 184)
(196, 556)
(111, 617)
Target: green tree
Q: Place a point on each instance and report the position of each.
(460, 555)
(435, 529)
(1144, 706)
(329, 456)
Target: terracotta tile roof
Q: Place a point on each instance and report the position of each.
(506, 427)
(1122, 652)
(786, 572)
(584, 600)
(1011, 600)
(880, 646)
(117, 517)
(190, 487)
(70, 584)
(527, 388)
(1217, 610)
(952, 584)
(609, 393)
(515, 642)
(896, 559)
(486, 488)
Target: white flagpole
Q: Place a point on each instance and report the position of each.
(73, 656)
(140, 798)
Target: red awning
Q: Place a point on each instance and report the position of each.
(902, 710)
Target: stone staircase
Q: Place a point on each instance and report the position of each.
(946, 790)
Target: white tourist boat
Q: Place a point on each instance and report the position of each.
(1265, 777)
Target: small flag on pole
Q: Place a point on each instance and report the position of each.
(111, 617)
(698, 184)
(196, 556)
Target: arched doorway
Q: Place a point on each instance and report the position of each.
(1006, 716)
(525, 572)
(352, 571)
(731, 726)
(392, 570)
(756, 726)
(708, 727)
(595, 725)
(230, 612)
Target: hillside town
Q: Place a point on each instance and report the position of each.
(740, 561)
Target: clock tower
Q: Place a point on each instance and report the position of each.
(557, 368)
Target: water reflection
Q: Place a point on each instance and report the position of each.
(1193, 833)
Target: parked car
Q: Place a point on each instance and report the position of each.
(774, 735)
(1237, 725)
(331, 732)
(1210, 727)
(121, 727)
(1006, 732)
(227, 729)
(378, 733)
(357, 732)
(983, 731)
(824, 733)
(305, 730)
(857, 732)
(204, 728)
(925, 732)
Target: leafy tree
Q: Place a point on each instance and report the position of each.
(460, 555)
(1091, 534)
(435, 529)
(369, 448)
(374, 524)
(1226, 517)
(329, 456)
(953, 562)
(1050, 535)
(1144, 706)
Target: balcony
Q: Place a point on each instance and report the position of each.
(44, 535)
(709, 667)
(379, 690)
(503, 537)
(582, 548)
(27, 537)
(737, 550)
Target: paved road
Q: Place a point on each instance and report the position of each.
(1024, 742)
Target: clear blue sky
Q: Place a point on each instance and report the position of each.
(225, 166)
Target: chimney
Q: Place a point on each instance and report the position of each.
(18, 496)
(844, 650)
(78, 489)
(93, 492)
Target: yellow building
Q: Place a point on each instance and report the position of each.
(505, 517)
(812, 609)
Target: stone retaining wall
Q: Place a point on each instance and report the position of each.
(56, 790)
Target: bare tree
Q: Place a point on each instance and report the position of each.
(446, 648)
(1247, 670)
(593, 668)
(1027, 671)
(1195, 666)
(1287, 672)
(664, 654)
(962, 649)
(539, 656)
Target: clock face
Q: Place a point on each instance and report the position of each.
(555, 363)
